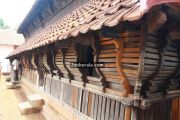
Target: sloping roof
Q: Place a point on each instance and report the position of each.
(92, 15)
(10, 37)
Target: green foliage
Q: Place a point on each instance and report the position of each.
(3, 25)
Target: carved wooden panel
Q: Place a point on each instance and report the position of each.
(25, 62)
(146, 63)
(33, 61)
(30, 27)
(60, 4)
(40, 67)
(37, 22)
(131, 52)
(87, 52)
(121, 57)
(51, 61)
(174, 82)
(160, 62)
(45, 61)
(41, 62)
(59, 62)
(29, 62)
(36, 62)
(37, 59)
(72, 56)
(46, 12)
(56, 71)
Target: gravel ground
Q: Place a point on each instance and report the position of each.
(9, 99)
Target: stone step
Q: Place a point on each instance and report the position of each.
(11, 85)
(26, 108)
(16, 82)
(35, 100)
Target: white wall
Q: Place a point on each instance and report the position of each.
(5, 50)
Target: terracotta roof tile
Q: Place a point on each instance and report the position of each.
(92, 15)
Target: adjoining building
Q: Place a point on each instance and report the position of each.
(9, 40)
(137, 41)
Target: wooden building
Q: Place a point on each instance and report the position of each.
(137, 40)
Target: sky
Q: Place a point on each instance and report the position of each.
(14, 11)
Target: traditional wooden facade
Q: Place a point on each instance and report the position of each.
(137, 40)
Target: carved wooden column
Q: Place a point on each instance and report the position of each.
(53, 67)
(33, 61)
(113, 71)
(54, 55)
(50, 61)
(41, 68)
(123, 79)
(32, 67)
(24, 66)
(73, 56)
(68, 74)
(27, 61)
(96, 50)
(45, 62)
(60, 63)
(28, 67)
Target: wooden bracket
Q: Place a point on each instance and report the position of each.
(96, 49)
(156, 20)
(70, 76)
(77, 54)
(124, 80)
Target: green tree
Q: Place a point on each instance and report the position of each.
(3, 25)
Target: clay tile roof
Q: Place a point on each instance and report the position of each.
(92, 15)
(10, 37)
